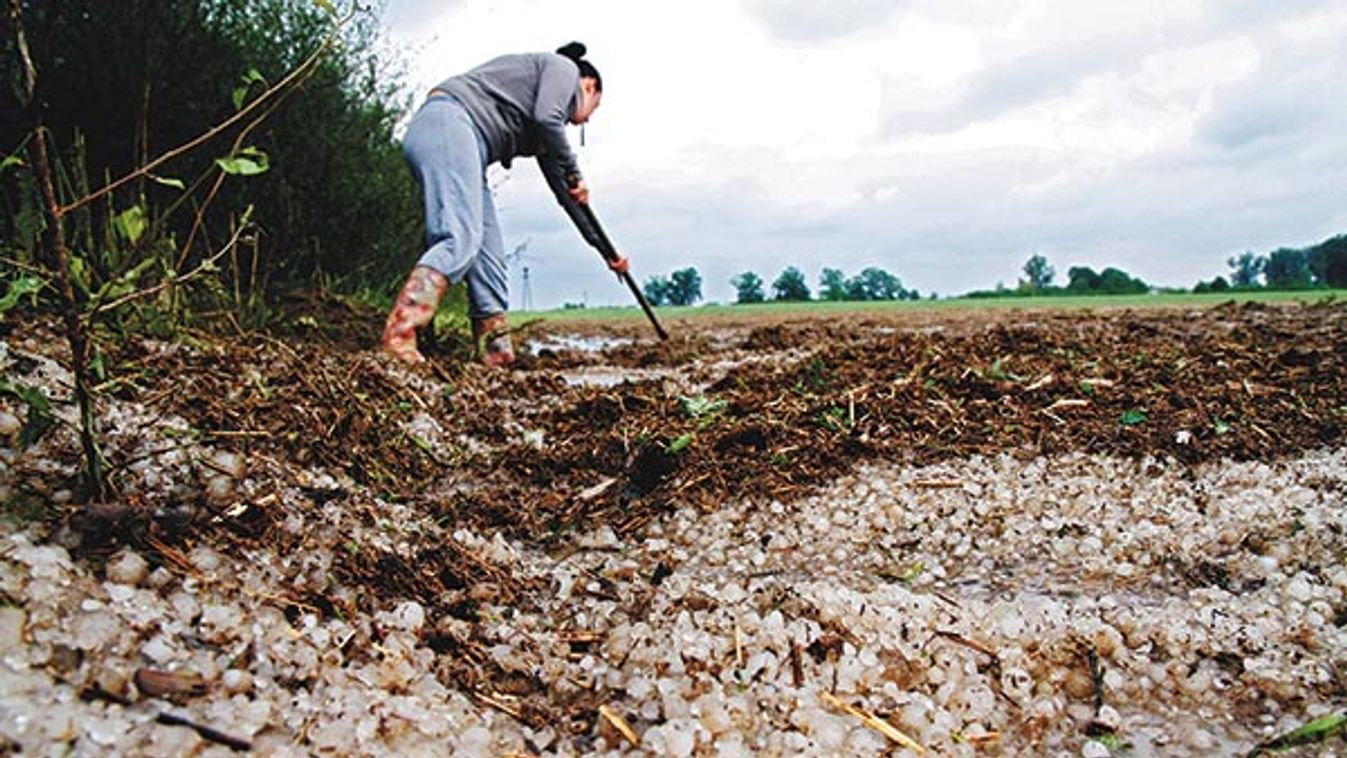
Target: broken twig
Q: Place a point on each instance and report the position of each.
(874, 722)
(620, 724)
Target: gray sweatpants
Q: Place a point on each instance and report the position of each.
(463, 240)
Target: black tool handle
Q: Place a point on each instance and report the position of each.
(609, 253)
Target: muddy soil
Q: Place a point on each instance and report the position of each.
(304, 442)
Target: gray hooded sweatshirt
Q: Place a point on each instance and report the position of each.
(522, 103)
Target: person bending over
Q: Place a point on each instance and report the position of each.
(510, 106)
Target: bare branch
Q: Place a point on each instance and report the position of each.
(198, 222)
(29, 70)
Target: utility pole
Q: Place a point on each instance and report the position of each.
(526, 296)
(520, 255)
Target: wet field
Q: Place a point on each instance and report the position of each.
(1079, 533)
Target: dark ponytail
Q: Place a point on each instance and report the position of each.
(576, 52)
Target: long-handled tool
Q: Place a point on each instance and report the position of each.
(609, 253)
(592, 231)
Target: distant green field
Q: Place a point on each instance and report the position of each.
(1084, 302)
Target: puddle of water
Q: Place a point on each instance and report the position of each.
(577, 342)
(610, 376)
(593, 379)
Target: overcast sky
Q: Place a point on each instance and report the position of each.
(944, 140)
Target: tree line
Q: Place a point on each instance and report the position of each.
(1316, 266)
(1286, 268)
(1081, 280)
(684, 287)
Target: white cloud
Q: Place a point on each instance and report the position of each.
(817, 20)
